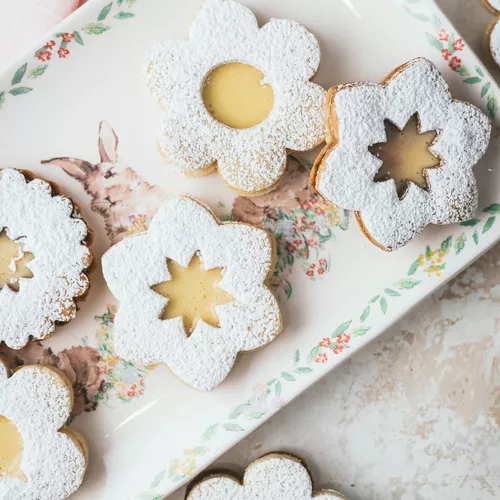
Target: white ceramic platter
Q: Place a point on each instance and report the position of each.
(149, 433)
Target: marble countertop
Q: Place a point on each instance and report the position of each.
(415, 415)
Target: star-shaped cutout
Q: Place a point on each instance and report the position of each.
(406, 155)
(193, 293)
(13, 262)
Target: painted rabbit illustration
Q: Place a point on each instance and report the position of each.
(125, 200)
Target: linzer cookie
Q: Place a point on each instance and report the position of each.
(236, 97)
(401, 154)
(43, 259)
(192, 292)
(493, 32)
(40, 459)
(275, 477)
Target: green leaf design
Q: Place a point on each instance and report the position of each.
(488, 224)
(374, 299)
(209, 433)
(288, 377)
(38, 71)
(360, 331)
(2, 98)
(365, 314)
(436, 23)
(480, 71)
(413, 267)
(200, 450)
(470, 222)
(124, 15)
(492, 105)
(131, 3)
(485, 88)
(78, 38)
(271, 382)
(119, 2)
(20, 90)
(95, 28)
(428, 252)
(313, 354)
(233, 427)
(256, 415)
(158, 479)
(434, 41)
(475, 237)
(446, 244)
(493, 209)
(383, 304)
(408, 283)
(277, 388)
(473, 80)
(460, 243)
(302, 369)
(104, 12)
(296, 357)
(236, 412)
(392, 293)
(18, 75)
(341, 328)
(462, 71)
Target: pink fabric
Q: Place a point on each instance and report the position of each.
(24, 22)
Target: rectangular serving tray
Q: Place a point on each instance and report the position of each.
(148, 433)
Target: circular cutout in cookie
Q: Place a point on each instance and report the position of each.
(11, 449)
(235, 95)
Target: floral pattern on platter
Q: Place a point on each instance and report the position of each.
(452, 47)
(122, 379)
(267, 397)
(302, 222)
(61, 46)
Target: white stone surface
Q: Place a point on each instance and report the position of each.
(416, 415)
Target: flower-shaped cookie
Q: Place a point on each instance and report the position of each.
(345, 173)
(247, 318)
(273, 477)
(250, 160)
(493, 31)
(50, 228)
(37, 401)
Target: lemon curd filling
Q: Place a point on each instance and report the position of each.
(235, 95)
(193, 293)
(405, 155)
(11, 449)
(11, 266)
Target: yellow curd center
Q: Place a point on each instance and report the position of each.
(11, 448)
(405, 155)
(234, 95)
(11, 264)
(193, 293)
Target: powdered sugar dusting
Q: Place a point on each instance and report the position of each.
(275, 476)
(38, 402)
(495, 42)
(346, 173)
(249, 160)
(181, 227)
(55, 234)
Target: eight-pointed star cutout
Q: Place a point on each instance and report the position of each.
(13, 262)
(405, 155)
(192, 293)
